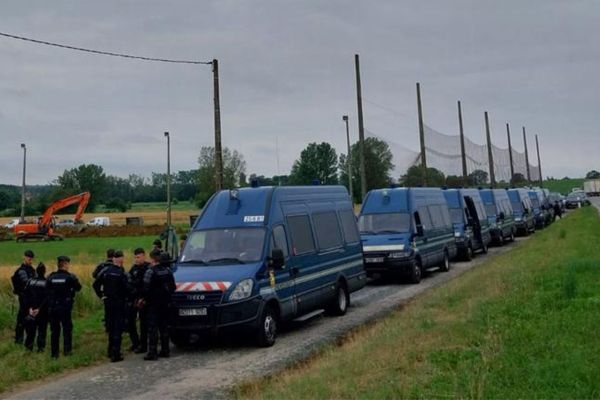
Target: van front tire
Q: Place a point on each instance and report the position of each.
(339, 305)
(266, 332)
(445, 266)
(416, 272)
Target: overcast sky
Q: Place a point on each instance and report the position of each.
(287, 72)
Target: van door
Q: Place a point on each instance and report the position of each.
(283, 280)
(474, 219)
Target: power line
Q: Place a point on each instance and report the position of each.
(105, 53)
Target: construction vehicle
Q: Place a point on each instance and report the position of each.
(44, 228)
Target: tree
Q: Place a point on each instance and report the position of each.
(478, 178)
(378, 166)
(234, 169)
(593, 174)
(317, 161)
(414, 177)
(518, 180)
(85, 178)
(453, 181)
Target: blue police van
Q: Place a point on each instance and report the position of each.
(540, 214)
(522, 211)
(471, 226)
(500, 214)
(406, 230)
(259, 256)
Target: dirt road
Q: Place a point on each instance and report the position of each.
(210, 372)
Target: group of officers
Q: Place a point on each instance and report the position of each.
(139, 296)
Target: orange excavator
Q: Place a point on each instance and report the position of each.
(44, 228)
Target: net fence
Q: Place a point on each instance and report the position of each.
(443, 153)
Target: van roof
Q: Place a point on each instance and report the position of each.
(252, 207)
(381, 201)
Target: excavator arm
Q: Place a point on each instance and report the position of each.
(82, 198)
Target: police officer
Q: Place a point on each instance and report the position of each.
(62, 287)
(139, 343)
(19, 281)
(109, 259)
(157, 245)
(159, 285)
(112, 287)
(36, 302)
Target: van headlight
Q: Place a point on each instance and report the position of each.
(242, 290)
(458, 234)
(397, 254)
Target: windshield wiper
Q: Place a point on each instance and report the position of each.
(388, 231)
(227, 259)
(193, 262)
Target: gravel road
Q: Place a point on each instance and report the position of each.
(210, 371)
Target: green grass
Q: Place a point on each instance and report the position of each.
(89, 250)
(522, 325)
(563, 186)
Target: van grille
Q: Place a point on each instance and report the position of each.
(206, 298)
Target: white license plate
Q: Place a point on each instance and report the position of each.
(374, 259)
(192, 312)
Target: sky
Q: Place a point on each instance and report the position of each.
(287, 76)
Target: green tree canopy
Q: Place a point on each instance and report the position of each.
(593, 174)
(414, 177)
(478, 177)
(378, 166)
(317, 161)
(85, 178)
(234, 172)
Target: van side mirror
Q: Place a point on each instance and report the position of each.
(502, 215)
(277, 260)
(420, 231)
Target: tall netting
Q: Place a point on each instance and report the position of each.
(443, 153)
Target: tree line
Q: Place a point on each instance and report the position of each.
(318, 163)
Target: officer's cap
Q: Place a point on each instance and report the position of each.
(29, 253)
(110, 253)
(62, 259)
(118, 254)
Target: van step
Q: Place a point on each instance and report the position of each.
(308, 316)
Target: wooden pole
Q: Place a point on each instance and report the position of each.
(218, 147)
(422, 135)
(361, 131)
(462, 144)
(537, 147)
(526, 156)
(490, 153)
(510, 155)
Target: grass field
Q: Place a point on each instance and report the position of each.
(522, 325)
(563, 186)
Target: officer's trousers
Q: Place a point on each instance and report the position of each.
(60, 318)
(140, 340)
(114, 317)
(38, 326)
(158, 320)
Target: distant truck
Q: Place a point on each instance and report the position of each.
(591, 187)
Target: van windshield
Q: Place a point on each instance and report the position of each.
(490, 209)
(384, 223)
(224, 246)
(457, 215)
(517, 206)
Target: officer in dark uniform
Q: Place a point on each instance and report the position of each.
(109, 260)
(62, 287)
(157, 245)
(139, 343)
(19, 280)
(159, 285)
(112, 287)
(36, 302)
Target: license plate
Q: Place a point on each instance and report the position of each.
(374, 259)
(192, 312)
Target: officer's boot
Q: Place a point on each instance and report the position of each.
(164, 347)
(116, 355)
(151, 356)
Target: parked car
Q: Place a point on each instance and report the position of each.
(522, 211)
(12, 223)
(500, 214)
(406, 230)
(65, 222)
(471, 225)
(99, 221)
(260, 256)
(576, 199)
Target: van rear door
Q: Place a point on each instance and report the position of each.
(474, 218)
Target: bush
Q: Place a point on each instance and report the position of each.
(117, 204)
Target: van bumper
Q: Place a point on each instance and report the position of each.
(388, 264)
(239, 315)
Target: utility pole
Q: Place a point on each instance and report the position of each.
(23, 185)
(490, 153)
(218, 148)
(348, 158)
(422, 135)
(361, 131)
(526, 156)
(168, 179)
(510, 156)
(537, 147)
(462, 144)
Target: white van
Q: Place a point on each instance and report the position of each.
(99, 221)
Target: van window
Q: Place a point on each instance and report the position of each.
(384, 223)
(490, 209)
(327, 230)
(457, 215)
(425, 217)
(279, 241)
(446, 215)
(436, 216)
(349, 226)
(301, 234)
(224, 246)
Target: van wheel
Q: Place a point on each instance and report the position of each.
(416, 272)
(445, 267)
(339, 305)
(266, 332)
(180, 339)
(512, 236)
(501, 240)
